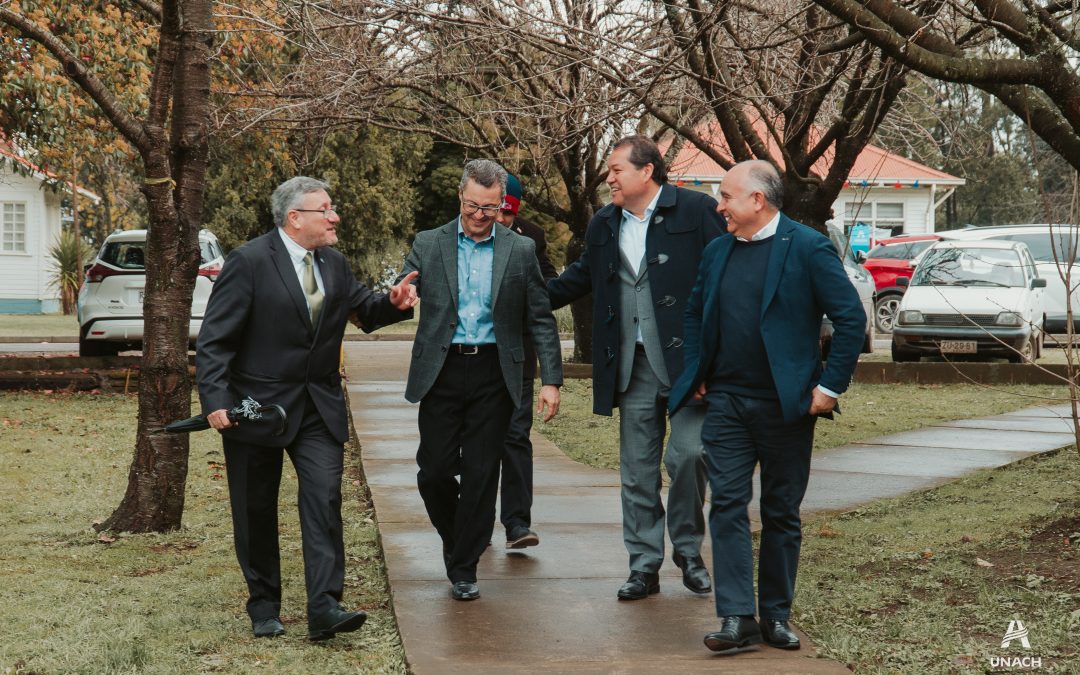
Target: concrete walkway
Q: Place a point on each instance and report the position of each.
(552, 608)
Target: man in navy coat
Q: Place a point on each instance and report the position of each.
(640, 260)
(752, 353)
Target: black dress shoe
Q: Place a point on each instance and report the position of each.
(779, 634)
(520, 536)
(268, 627)
(694, 575)
(332, 622)
(465, 590)
(735, 632)
(640, 585)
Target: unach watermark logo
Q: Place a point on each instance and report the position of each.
(1016, 633)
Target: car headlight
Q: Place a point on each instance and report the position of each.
(1009, 319)
(911, 316)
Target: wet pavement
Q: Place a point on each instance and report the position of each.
(552, 608)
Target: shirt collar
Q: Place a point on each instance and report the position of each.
(462, 235)
(648, 209)
(767, 231)
(296, 251)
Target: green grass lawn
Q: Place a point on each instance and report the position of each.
(928, 583)
(76, 601)
(38, 325)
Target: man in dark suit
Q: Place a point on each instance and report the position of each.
(272, 331)
(482, 292)
(515, 511)
(753, 353)
(640, 260)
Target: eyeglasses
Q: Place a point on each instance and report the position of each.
(325, 212)
(469, 208)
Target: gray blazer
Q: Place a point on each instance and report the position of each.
(520, 306)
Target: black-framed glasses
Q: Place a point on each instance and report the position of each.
(469, 208)
(325, 212)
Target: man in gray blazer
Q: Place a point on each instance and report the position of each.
(482, 291)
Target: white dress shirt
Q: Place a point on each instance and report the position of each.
(632, 234)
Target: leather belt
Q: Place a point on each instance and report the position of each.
(472, 350)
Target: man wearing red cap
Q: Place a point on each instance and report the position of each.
(517, 473)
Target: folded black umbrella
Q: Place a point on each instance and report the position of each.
(249, 410)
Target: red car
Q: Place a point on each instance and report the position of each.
(888, 261)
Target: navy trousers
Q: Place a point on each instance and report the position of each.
(739, 433)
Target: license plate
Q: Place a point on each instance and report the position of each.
(959, 347)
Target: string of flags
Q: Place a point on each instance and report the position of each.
(864, 183)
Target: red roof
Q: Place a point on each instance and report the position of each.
(8, 150)
(873, 164)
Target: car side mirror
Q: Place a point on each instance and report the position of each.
(902, 281)
(860, 257)
(1038, 282)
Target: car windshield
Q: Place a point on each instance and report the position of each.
(891, 252)
(127, 255)
(1065, 244)
(208, 250)
(969, 266)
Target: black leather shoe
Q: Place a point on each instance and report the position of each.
(269, 627)
(779, 634)
(334, 621)
(735, 632)
(520, 536)
(694, 575)
(465, 590)
(640, 585)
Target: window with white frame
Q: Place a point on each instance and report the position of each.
(12, 227)
(879, 215)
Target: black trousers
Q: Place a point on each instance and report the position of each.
(463, 421)
(739, 433)
(517, 465)
(254, 474)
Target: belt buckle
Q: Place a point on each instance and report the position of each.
(469, 350)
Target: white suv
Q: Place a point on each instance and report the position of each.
(111, 298)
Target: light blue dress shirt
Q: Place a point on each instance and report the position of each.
(474, 266)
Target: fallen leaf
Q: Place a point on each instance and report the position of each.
(983, 563)
(106, 539)
(927, 554)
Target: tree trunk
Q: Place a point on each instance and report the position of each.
(175, 168)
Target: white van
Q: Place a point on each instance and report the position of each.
(1053, 257)
(973, 298)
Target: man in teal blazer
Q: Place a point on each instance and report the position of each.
(752, 351)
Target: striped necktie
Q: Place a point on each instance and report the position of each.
(311, 289)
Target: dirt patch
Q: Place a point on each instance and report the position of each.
(1052, 557)
(178, 547)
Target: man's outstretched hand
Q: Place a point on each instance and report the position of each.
(403, 295)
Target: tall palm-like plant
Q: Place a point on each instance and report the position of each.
(68, 254)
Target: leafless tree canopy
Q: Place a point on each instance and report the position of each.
(1024, 52)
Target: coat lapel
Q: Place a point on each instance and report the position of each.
(784, 233)
(283, 263)
(503, 243)
(709, 311)
(448, 244)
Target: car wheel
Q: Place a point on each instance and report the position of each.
(901, 356)
(1026, 354)
(885, 312)
(97, 348)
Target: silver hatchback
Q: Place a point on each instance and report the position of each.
(110, 306)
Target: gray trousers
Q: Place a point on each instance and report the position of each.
(642, 426)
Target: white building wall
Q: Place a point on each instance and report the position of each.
(24, 275)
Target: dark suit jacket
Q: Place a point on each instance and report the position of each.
(683, 223)
(529, 229)
(519, 306)
(804, 280)
(257, 339)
